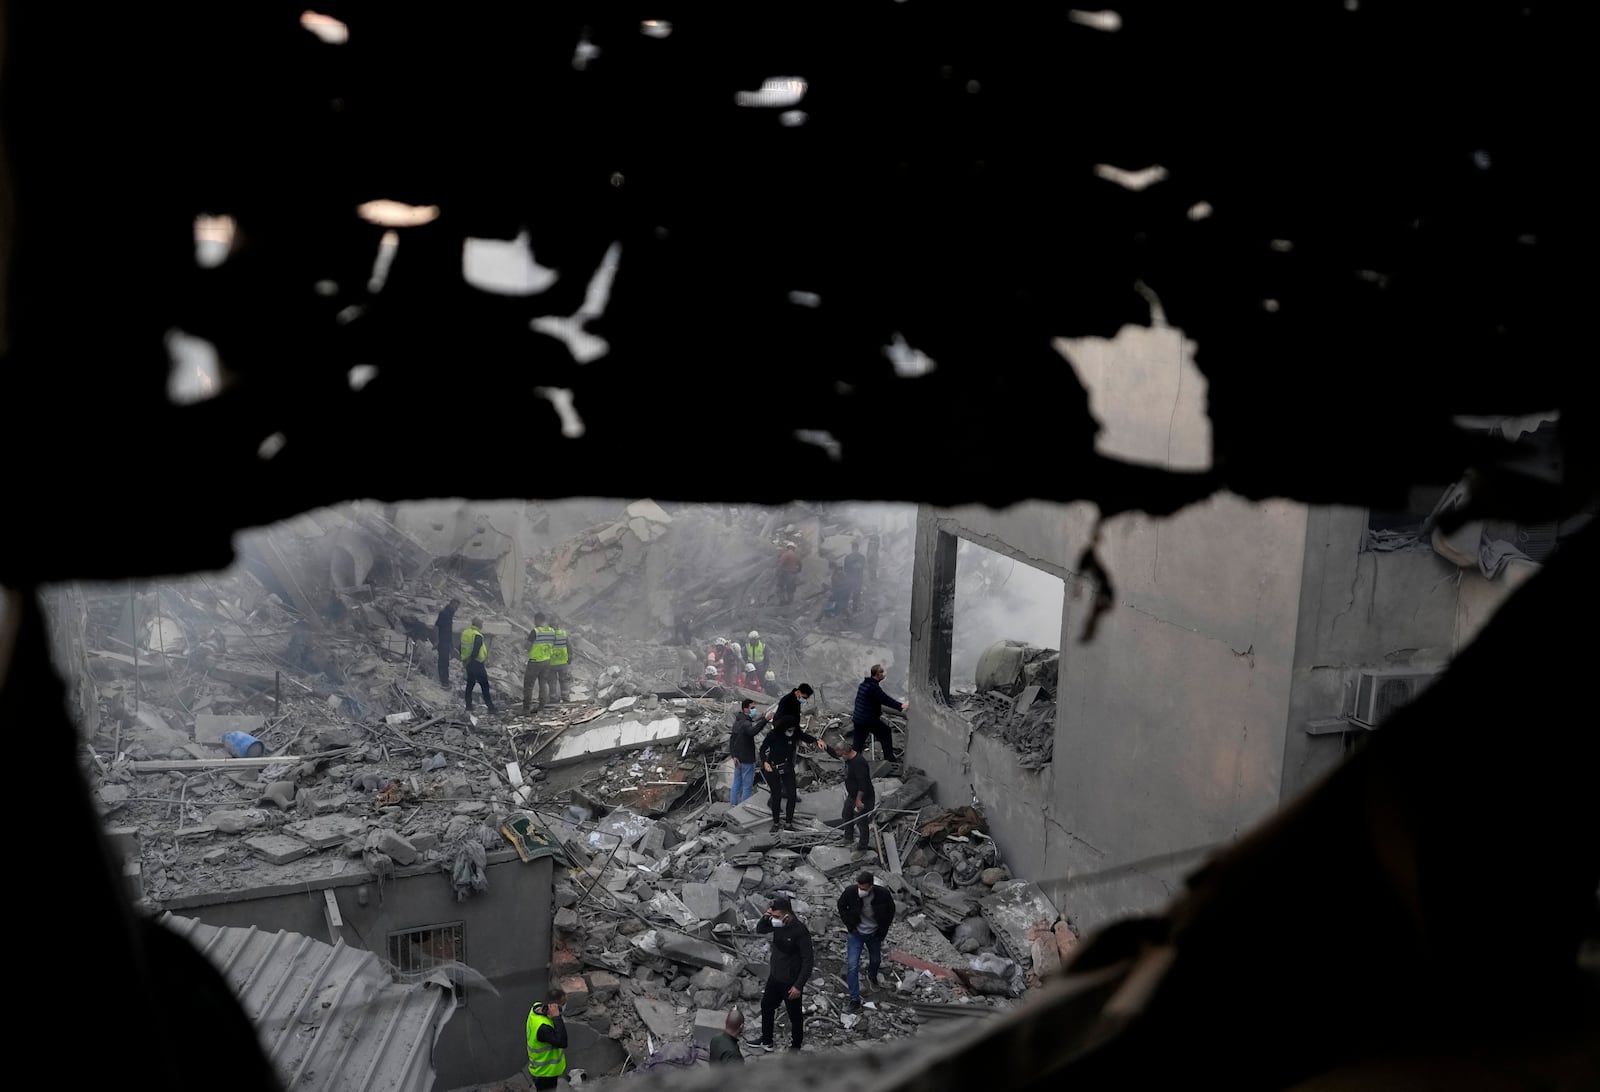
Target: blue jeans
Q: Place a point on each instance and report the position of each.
(852, 960)
(744, 783)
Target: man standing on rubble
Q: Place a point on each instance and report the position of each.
(560, 655)
(474, 654)
(742, 746)
(867, 911)
(793, 956)
(790, 704)
(859, 798)
(547, 1041)
(541, 646)
(779, 754)
(445, 626)
(788, 572)
(868, 714)
(855, 577)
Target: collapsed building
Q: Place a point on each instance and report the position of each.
(271, 749)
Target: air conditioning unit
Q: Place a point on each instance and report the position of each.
(1380, 693)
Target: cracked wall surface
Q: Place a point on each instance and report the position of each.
(1171, 721)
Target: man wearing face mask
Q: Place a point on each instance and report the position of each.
(867, 911)
(790, 704)
(779, 753)
(742, 746)
(792, 959)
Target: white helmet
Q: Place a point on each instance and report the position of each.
(749, 667)
(754, 636)
(772, 676)
(711, 672)
(722, 641)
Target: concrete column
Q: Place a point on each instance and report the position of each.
(933, 604)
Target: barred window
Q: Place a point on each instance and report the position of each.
(415, 952)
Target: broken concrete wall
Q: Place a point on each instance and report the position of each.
(1371, 609)
(1171, 723)
(507, 932)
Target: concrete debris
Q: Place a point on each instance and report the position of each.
(662, 882)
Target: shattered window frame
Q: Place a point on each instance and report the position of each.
(404, 964)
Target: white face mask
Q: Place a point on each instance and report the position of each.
(788, 731)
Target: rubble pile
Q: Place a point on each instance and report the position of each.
(1015, 700)
(655, 932)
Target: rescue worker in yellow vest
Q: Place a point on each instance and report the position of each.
(541, 646)
(475, 653)
(547, 1041)
(755, 650)
(560, 655)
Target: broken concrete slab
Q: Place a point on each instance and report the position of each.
(710, 978)
(1013, 911)
(326, 830)
(696, 953)
(611, 736)
(670, 906)
(831, 859)
(1025, 700)
(658, 1016)
(726, 878)
(397, 848)
(810, 877)
(704, 900)
(210, 727)
(621, 704)
(277, 848)
(626, 826)
(603, 986)
(708, 1024)
(234, 820)
(648, 510)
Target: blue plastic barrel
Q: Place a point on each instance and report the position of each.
(243, 745)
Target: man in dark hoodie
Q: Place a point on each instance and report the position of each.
(792, 959)
(868, 714)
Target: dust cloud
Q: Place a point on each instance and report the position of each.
(997, 598)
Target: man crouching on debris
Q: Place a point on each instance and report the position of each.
(779, 753)
(547, 1041)
(792, 959)
(867, 911)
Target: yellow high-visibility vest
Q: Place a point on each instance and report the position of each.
(542, 648)
(758, 652)
(559, 653)
(466, 644)
(544, 1060)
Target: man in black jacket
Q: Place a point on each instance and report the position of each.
(867, 911)
(742, 746)
(792, 959)
(859, 799)
(779, 753)
(444, 629)
(868, 714)
(789, 704)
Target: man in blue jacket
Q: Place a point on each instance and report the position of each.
(868, 715)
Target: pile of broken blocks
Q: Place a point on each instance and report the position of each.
(655, 924)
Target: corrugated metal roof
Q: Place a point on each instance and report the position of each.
(329, 1017)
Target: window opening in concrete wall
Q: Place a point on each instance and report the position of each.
(413, 953)
(1004, 650)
